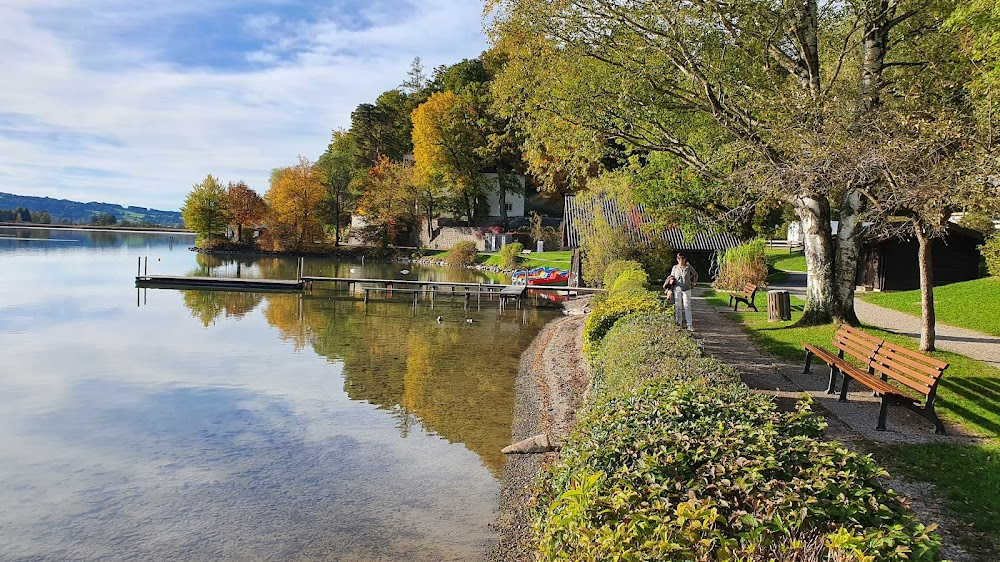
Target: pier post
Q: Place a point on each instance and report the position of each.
(138, 267)
(145, 270)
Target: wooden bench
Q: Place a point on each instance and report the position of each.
(849, 341)
(916, 378)
(895, 374)
(749, 290)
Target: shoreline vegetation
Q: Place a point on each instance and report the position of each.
(672, 457)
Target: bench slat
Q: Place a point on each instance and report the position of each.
(914, 379)
(880, 386)
(914, 358)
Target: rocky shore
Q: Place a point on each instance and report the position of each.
(550, 387)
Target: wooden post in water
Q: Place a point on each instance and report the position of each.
(138, 267)
(145, 270)
(366, 300)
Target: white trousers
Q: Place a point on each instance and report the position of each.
(682, 307)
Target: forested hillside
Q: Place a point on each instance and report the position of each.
(75, 212)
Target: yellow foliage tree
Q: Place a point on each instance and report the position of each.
(445, 143)
(295, 197)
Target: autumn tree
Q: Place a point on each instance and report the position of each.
(246, 208)
(295, 198)
(206, 209)
(388, 202)
(445, 139)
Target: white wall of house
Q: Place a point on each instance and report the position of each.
(515, 201)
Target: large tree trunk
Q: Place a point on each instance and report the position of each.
(814, 211)
(848, 251)
(926, 264)
(831, 261)
(336, 218)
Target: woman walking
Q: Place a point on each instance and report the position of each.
(683, 277)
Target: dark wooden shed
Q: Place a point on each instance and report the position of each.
(892, 265)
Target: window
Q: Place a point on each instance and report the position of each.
(510, 206)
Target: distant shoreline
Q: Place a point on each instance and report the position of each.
(97, 227)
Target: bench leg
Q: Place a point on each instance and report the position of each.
(930, 415)
(882, 412)
(843, 387)
(832, 387)
(808, 359)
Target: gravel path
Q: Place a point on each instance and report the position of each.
(852, 423)
(970, 343)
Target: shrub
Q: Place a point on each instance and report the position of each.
(617, 267)
(991, 253)
(675, 459)
(707, 471)
(980, 222)
(657, 259)
(462, 253)
(743, 264)
(641, 347)
(604, 315)
(510, 255)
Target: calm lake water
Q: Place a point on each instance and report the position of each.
(209, 425)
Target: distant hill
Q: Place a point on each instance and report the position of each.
(64, 210)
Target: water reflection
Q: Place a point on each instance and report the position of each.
(454, 376)
(209, 425)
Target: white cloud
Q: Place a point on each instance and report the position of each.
(100, 105)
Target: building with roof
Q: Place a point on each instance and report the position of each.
(702, 248)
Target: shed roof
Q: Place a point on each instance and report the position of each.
(637, 224)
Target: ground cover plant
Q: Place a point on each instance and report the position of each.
(967, 476)
(967, 304)
(675, 459)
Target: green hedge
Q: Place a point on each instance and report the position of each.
(627, 295)
(675, 459)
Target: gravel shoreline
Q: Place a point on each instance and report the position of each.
(550, 387)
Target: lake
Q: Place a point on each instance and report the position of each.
(156, 424)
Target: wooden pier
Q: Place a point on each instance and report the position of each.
(218, 283)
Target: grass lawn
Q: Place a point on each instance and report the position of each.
(560, 259)
(971, 304)
(967, 477)
(780, 259)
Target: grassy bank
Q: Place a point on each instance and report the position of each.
(967, 476)
(971, 304)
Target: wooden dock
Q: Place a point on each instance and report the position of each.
(218, 283)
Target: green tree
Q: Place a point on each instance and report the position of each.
(205, 210)
(338, 170)
(382, 128)
(388, 202)
(445, 139)
(765, 100)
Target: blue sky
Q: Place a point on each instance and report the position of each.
(133, 102)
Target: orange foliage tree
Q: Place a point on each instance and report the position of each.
(295, 197)
(246, 208)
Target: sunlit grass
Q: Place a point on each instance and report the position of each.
(966, 476)
(781, 259)
(971, 304)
